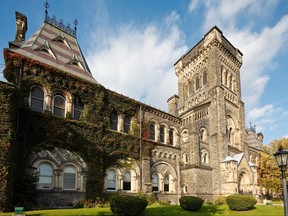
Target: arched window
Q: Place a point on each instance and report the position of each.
(171, 136)
(155, 182)
(152, 131)
(205, 78)
(111, 180)
(185, 189)
(45, 180)
(127, 181)
(114, 121)
(59, 105)
(185, 158)
(204, 155)
(197, 83)
(127, 123)
(69, 178)
(162, 134)
(166, 184)
(203, 135)
(78, 109)
(37, 99)
(230, 137)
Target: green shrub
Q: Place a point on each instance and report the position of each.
(220, 200)
(149, 197)
(127, 205)
(240, 202)
(191, 203)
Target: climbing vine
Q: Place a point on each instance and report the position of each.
(90, 137)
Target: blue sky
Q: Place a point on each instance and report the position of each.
(132, 45)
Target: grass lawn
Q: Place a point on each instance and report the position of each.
(158, 210)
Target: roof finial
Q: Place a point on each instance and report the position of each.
(46, 5)
(75, 25)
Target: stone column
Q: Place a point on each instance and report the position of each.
(146, 178)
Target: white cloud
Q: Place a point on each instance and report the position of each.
(138, 61)
(259, 48)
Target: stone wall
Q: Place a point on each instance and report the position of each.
(51, 199)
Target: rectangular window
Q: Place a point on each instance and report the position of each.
(127, 122)
(114, 121)
(69, 181)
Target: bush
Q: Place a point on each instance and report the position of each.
(191, 203)
(220, 200)
(127, 205)
(241, 202)
(149, 197)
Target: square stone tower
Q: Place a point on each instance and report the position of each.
(212, 113)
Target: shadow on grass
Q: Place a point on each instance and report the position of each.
(176, 210)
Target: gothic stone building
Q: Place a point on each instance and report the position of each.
(81, 139)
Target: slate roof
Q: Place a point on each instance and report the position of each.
(236, 158)
(55, 47)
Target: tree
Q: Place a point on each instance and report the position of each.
(269, 174)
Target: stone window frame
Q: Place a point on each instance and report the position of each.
(204, 157)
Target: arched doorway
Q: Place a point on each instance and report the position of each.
(244, 183)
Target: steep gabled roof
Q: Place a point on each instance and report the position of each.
(57, 48)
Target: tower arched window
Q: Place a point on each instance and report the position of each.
(185, 158)
(45, 180)
(197, 83)
(37, 99)
(127, 181)
(162, 134)
(155, 182)
(171, 136)
(111, 180)
(166, 184)
(152, 131)
(203, 135)
(204, 155)
(205, 78)
(69, 178)
(59, 104)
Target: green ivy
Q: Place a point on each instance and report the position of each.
(90, 137)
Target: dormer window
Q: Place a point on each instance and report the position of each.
(75, 61)
(61, 38)
(45, 47)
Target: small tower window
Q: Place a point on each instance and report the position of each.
(162, 134)
(171, 136)
(152, 131)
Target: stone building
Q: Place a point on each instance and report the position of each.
(82, 139)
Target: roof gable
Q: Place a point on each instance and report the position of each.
(55, 47)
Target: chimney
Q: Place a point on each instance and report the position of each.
(21, 29)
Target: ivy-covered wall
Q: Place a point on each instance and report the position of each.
(90, 137)
(8, 123)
